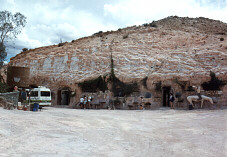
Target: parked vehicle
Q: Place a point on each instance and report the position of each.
(41, 95)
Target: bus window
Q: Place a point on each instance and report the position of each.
(34, 93)
(45, 93)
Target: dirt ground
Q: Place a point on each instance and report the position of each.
(113, 133)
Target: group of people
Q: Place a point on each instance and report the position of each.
(172, 98)
(85, 102)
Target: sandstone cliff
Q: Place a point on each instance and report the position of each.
(187, 48)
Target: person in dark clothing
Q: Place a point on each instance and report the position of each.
(171, 99)
(23, 96)
(81, 102)
(85, 102)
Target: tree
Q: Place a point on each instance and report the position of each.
(3, 54)
(10, 26)
(3, 85)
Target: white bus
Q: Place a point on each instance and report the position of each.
(41, 95)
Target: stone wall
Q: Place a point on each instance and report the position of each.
(11, 97)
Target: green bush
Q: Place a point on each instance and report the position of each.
(94, 85)
(153, 24)
(24, 49)
(60, 44)
(213, 84)
(145, 24)
(121, 89)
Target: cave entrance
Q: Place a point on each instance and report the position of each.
(165, 96)
(64, 96)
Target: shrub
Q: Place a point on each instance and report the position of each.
(98, 33)
(24, 49)
(145, 24)
(94, 85)
(60, 44)
(213, 84)
(153, 24)
(121, 89)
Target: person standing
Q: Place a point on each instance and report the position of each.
(81, 102)
(198, 91)
(89, 102)
(85, 102)
(15, 89)
(171, 99)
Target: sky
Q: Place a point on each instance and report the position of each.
(51, 21)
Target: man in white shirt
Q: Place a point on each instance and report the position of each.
(81, 102)
(89, 102)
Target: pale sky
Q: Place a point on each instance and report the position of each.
(49, 21)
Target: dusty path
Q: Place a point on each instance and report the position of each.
(107, 133)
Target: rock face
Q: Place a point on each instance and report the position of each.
(186, 49)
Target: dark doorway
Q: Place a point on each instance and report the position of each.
(64, 97)
(165, 96)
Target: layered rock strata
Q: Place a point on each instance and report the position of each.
(174, 47)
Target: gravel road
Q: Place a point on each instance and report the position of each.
(59, 132)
